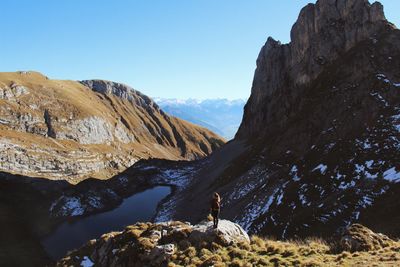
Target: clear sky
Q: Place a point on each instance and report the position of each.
(164, 48)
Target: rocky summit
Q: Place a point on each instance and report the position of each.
(319, 144)
(73, 130)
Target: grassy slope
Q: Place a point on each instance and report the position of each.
(131, 245)
(156, 134)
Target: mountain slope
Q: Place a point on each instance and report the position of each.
(72, 130)
(319, 144)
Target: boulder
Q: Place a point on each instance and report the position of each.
(226, 233)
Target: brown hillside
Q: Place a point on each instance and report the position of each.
(72, 130)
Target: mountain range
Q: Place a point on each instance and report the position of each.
(221, 116)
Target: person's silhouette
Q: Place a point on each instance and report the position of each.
(215, 208)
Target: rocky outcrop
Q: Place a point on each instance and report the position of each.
(359, 238)
(122, 91)
(318, 147)
(74, 130)
(228, 232)
(146, 244)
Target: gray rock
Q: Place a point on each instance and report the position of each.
(227, 232)
(161, 253)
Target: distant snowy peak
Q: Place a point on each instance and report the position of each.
(222, 116)
(191, 101)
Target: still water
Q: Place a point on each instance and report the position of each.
(70, 235)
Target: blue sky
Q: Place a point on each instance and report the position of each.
(164, 48)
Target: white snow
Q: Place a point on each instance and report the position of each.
(396, 122)
(359, 168)
(366, 144)
(344, 185)
(338, 176)
(383, 77)
(284, 230)
(321, 167)
(391, 175)
(380, 98)
(86, 262)
(303, 199)
(179, 178)
(369, 163)
(279, 198)
(294, 174)
(269, 202)
(366, 201)
(145, 168)
(73, 206)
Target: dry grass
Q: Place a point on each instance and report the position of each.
(136, 242)
(264, 252)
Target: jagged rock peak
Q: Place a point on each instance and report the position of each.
(120, 90)
(325, 29)
(351, 20)
(322, 33)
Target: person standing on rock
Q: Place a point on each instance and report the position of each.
(215, 208)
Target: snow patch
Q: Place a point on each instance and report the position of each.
(391, 175)
(293, 172)
(380, 98)
(86, 262)
(321, 167)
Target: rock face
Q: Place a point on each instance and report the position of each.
(146, 244)
(73, 130)
(321, 35)
(319, 144)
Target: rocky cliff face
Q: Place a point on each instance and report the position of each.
(319, 143)
(321, 35)
(73, 130)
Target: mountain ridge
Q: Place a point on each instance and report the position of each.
(89, 128)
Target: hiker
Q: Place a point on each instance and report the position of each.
(215, 208)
